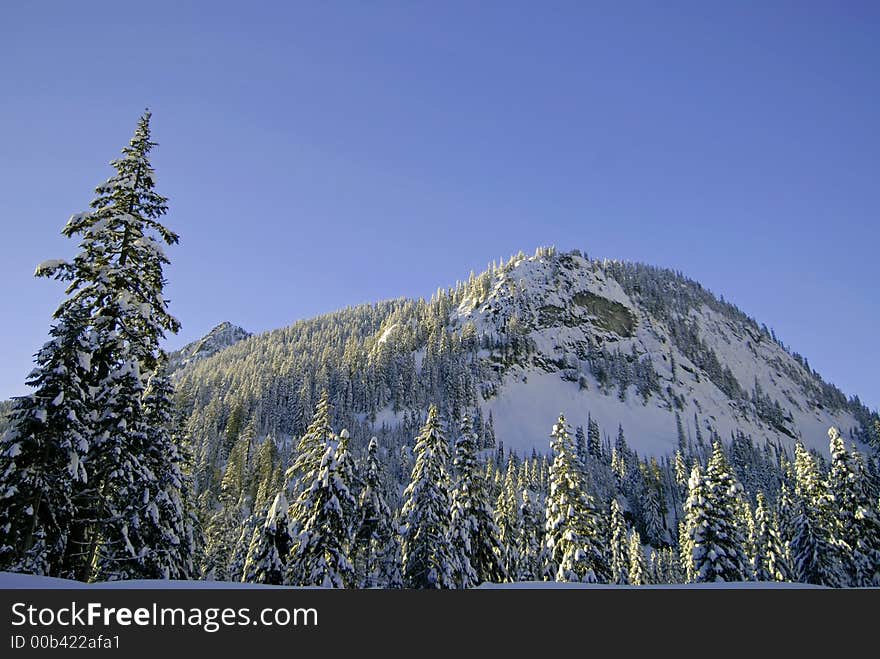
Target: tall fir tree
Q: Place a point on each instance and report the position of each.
(310, 449)
(572, 528)
(594, 445)
(42, 453)
(619, 550)
(115, 296)
(428, 557)
(580, 442)
(652, 511)
(269, 546)
(683, 447)
(531, 542)
(637, 569)
(714, 535)
(693, 513)
(855, 525)
(377, 555)
(509, 523)
(321, 551)
(769, 561)
(814, 554)
(474, 535)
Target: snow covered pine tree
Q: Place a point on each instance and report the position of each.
(572, 526)
(474, 534)
(108, 334)
(428, 559)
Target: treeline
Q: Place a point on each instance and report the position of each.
(399, 357)
(589, 512)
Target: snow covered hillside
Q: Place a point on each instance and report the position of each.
(575, 315)
(628, 344)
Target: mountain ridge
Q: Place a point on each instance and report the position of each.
(629, 344)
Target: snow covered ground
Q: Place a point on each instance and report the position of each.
(11, 580)
(731, 585)
(525, 410)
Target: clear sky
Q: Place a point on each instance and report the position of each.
(323, 154)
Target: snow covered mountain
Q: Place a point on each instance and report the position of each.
(222, 336)
(627, 344)
(602, 342)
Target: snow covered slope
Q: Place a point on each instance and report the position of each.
(628, 344)
(574, 313)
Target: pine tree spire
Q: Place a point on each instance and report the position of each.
(377, 555)
(572, 525)
(428, 558)
(118, 514)
(474, 535)
(715, 546)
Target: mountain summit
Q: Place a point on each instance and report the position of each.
(622, 344)
(635, 345)
(222, 336)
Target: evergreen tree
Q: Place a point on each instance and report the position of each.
(531, 540)
(855, 525)
(785, 514)
(41, 455)
(508, 521)
(619, 546)
(618, 467)
(652, 513)
(637, 570)
(814, 555)
(311, 449)
(683, 448)
(270, 546)
(321, 551)
(266, 474)
(769, 562)
(572, 528)
(115, 297)
(594, 446)
(428, 558)
(377, 554)
(580, 441)
(474, 536)
(168, 532)
(692, 516)
(713, 532)
(681, 474)
(748, 532)
(234, 568)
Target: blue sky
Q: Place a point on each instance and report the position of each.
(324, 154)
